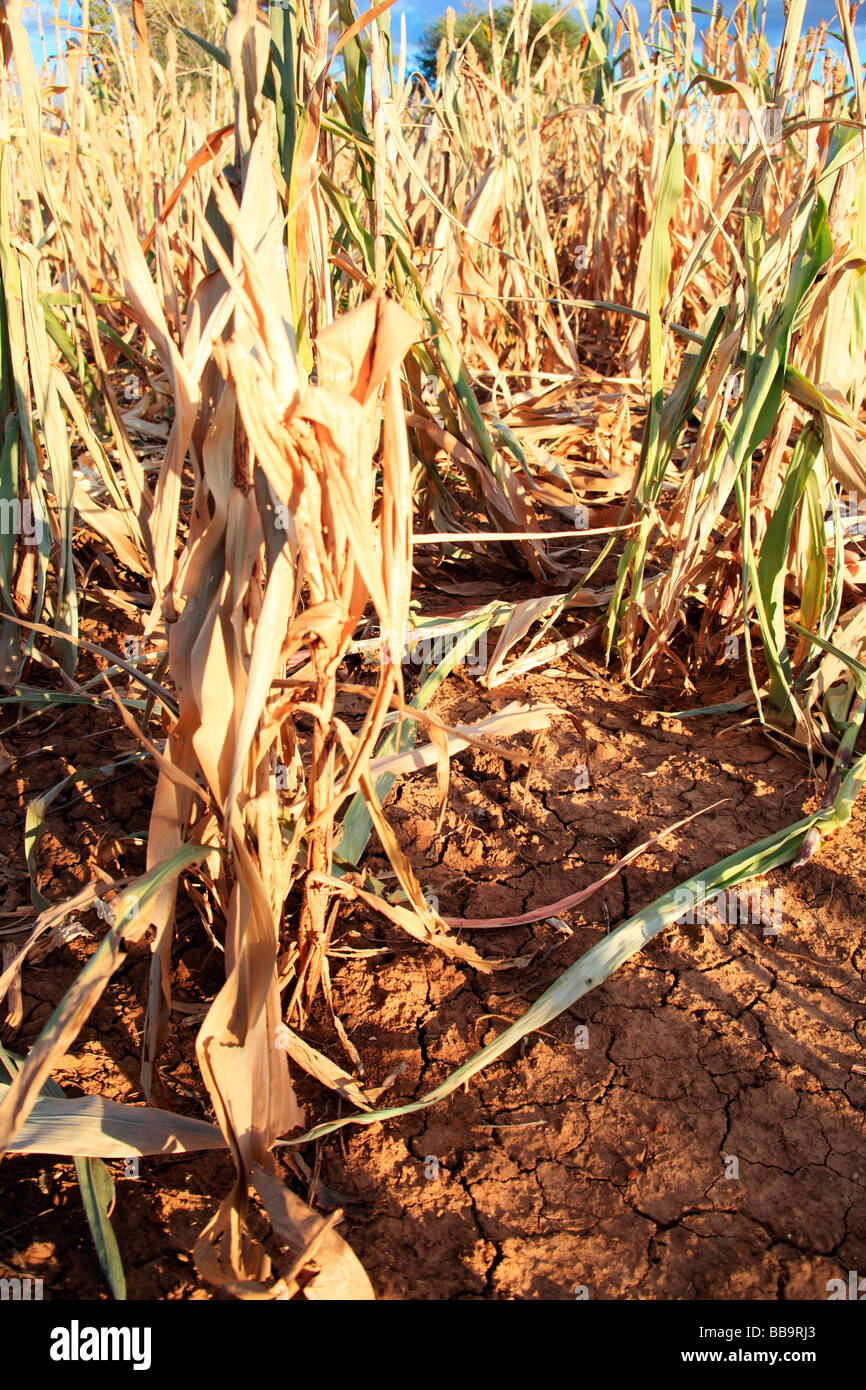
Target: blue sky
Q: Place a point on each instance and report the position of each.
(419, 13)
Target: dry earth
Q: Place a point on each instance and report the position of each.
(705, 1142)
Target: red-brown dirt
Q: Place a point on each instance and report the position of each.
(707, 1142)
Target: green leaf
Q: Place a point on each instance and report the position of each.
(97, 1190)
(97, 1196)
(598, 963)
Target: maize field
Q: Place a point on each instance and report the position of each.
(432, 656)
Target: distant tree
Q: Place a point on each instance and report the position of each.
(206, 18)
(477, 23)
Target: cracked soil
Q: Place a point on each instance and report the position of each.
(692, 1128)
